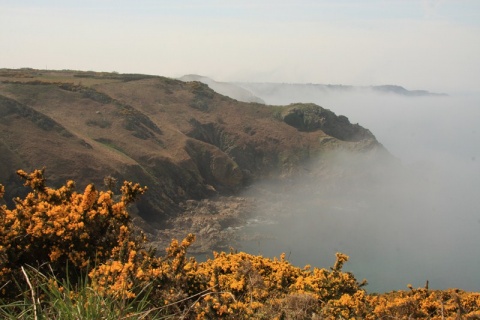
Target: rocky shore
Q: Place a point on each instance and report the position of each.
(213, 221)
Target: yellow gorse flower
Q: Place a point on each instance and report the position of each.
(90, 231)
(61, 226)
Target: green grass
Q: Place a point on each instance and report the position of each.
(50, 298)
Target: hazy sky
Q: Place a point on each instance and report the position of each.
(432, 45)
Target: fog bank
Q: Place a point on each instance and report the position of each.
(409, 222)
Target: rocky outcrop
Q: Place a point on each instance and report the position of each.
(310, 117)
(215, 167)
(213, 221)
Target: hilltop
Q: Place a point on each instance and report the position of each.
(194, 148)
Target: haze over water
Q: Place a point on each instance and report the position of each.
(403, 224)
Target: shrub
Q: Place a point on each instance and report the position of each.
(245, 286)
(69, 255)
(60, 227)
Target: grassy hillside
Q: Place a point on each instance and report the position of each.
(182, 139)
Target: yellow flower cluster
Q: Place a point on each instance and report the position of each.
(61, 226)
(422, 303)
(244, 286)
(73, 231)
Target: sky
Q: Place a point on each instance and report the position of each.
(430, 45)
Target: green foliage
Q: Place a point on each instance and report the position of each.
(277, 112)
(51, 298)
(203, 96)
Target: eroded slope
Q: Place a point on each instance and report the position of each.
(181, 139)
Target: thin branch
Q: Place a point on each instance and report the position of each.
(33, 294)
(5, 284)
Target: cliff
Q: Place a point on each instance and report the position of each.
(181, 139)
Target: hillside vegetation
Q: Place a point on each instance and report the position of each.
(71, 255)
(181, 139)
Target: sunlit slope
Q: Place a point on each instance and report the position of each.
(182, 139)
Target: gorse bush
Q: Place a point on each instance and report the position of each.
(60, 227)
(70, 255)
(244, 285)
